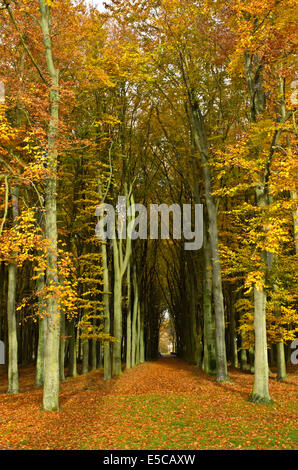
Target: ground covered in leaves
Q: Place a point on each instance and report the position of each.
(165, 404)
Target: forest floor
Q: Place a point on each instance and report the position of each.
(165, 404)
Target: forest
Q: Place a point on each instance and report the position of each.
(185, 109)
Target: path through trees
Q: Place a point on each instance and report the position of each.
(163, 404)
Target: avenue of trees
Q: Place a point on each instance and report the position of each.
(164, 102)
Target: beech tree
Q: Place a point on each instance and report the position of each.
(163, 102)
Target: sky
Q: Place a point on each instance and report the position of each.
(97, 3)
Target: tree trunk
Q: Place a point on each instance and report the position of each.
(121, 263)
(260, 390)
(93, 353)
(62, 348)
(243, 356)
(128, 319)
(85, 364)
(117, 332)
(100, 363)
(201, 145)
(13, 378)
(72, 369)
(261, 380)
(235, 362)
(141, 340)
(281, 362)
(106, 302)
(134, 318)
(51, 362)
(251, 355)
(209, 361)
(39, 373)
(243, 359)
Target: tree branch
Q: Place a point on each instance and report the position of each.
(7, 7)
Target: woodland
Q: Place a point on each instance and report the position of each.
(164, 102)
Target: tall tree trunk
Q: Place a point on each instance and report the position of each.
(243, 355)
(72, 369)
(51, 362)
(13, 378)
(142, 339)
(62, 348)
(100, 349)
(191, 289)
(85, 364)
(235, 362)
(106, 302)
(39, 373)
(93, 352)
(138, 335)
(200, 141)
(128, 319)
(117, 331)
(120, 265)
(281, 362)
(201, 145)
(260, 391)
(209, 361)
(134, 318)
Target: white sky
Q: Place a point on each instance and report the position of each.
(97, 3)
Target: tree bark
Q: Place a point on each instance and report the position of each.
(39, 373)
(51, 362)
(72, 369)
(134, 318)
(281, 362)
(85, 364)
(209, 361)
(106, 303)
(261, 379)
(128, 319)
(260, 391)
(13, 377)
(62, 348)
(201, 145)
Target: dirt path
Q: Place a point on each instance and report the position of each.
(167, 375)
